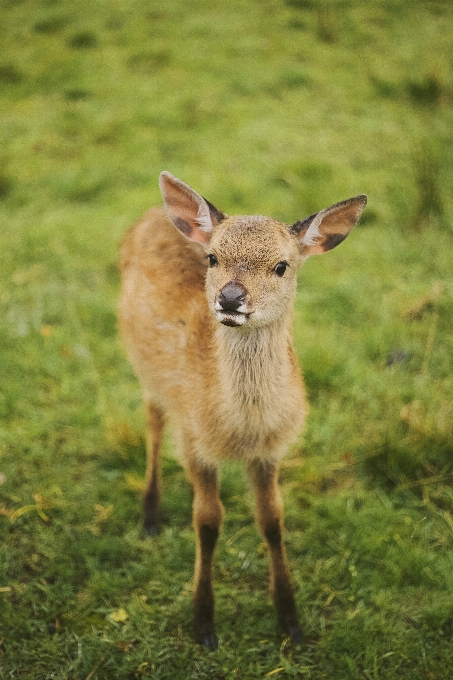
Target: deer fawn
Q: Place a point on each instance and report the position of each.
(206, 315)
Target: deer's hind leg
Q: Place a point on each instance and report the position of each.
(264, 477)
(156, 422)
(207, 518)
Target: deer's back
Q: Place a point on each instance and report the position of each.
(163, 308)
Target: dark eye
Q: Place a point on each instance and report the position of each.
(280, 268)
(212, 260)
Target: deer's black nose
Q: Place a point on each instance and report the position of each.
(232, 296)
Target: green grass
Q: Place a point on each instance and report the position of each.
(277, 107)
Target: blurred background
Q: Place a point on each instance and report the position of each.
(278, 107)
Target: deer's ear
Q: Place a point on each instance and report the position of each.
(327, 228)
(190, 213)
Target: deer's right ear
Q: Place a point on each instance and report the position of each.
(190, 213)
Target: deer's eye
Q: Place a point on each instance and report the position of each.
(212, 260)
(280, 268)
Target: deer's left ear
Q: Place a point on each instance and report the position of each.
(327, 228)
(192, 214)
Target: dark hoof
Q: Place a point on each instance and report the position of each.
(151, 529)
(294, 632)
(210, 642)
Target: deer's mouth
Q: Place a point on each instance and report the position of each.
(230, 318)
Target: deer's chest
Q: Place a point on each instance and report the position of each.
(255, 420)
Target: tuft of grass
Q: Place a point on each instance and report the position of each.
(429, 205)
(427, 91)
(10, 74)
(327, 21)
(148, 62)
(51, 24)
(83, 40)
(6, 186)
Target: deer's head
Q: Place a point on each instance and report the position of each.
(252, 261)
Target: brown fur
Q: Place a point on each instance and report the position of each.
(228, 380)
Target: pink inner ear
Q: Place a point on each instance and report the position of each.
(184, 207)
(180, 203)
(341, 220)
(330, 227)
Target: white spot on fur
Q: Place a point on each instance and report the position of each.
(204, 217)
(234, 319)
(312, 235)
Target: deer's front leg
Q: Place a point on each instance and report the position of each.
(264, 477)
(207, 518)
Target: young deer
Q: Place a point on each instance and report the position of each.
(206, 315)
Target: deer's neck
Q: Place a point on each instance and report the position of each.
(255, 366)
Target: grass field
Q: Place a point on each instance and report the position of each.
(280, 107)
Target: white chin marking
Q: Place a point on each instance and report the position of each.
(231, 318)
